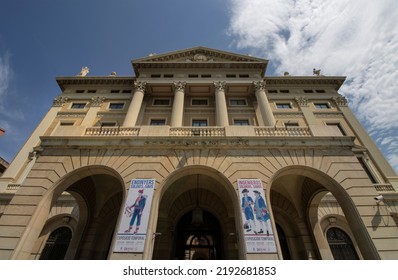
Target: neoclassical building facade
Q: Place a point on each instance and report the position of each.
(200, 155)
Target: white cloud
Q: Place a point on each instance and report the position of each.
(353, 38)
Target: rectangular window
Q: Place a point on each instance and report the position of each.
(237, 102)
(337, 128)
(231, 75)
(92, 91)
(199, 122)
(291, 124)
(241, 122)
(116, 106)
(126, 91)
(155, 76)
(78, 105)
(283, 106)
(321, 105)
(80, 91)
(62, 123)
(308, 91)
(320, 91)
(158, 122)
(243, 76)
(199, 102)
(193, 76)
(365, 167)
(115, 91)
(272, 91)
(161, 102)
(206, 76)
(108, 124)
(284, 91)
(168, 75)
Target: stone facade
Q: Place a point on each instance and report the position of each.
(197, 121)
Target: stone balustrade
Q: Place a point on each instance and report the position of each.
(197, 131)
(112, 131)
(282, 131)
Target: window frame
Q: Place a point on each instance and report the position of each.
(116, 103)
(152, 120)
(78, 103)
(231, 99)
(241, 120)
(199, 120)
(199, 99)
(319, 105)
(161, 99)
(281, 105)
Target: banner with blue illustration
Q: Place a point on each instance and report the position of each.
(257, 228)
(132, 231)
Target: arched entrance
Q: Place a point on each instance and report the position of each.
(197, 218)
(97, 193)
(198, 239)
(300, 196)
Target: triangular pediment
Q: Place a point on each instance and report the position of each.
(198, 55)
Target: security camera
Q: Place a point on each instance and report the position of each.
(379, 198)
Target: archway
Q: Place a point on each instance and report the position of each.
(197, 209)
(296, 192)
(98, 193)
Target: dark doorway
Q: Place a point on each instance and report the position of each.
(57, 244)
(283, 243)
(198, 240)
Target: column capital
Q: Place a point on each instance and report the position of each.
(302, 101)
(259, 85)
(340, 101)
(180, 86)
(220, 85)
(97, 101)
(140, 86)
(59, 101)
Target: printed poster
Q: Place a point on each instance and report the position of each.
(258, 233)
(132, 231)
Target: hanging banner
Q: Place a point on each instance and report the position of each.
(133, 226)
(258, 233)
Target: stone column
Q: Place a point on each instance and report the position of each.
(221, 104)
(134, 109)
(178, 104)
(95, 105)
(265, 107)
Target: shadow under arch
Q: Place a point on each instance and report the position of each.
(365, 244)
(213, 184)
(70, 182)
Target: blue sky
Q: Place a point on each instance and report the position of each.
(40, 40)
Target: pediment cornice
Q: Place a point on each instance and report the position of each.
(199, 57)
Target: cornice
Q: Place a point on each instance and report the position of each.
(150, 143)
(63, 82)
(335, 81)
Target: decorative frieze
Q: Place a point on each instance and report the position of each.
(68, 115)
(59, 101)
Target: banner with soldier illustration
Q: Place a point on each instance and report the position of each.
(132, 231)
(257, 228)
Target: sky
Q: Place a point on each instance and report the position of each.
(44, 39)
